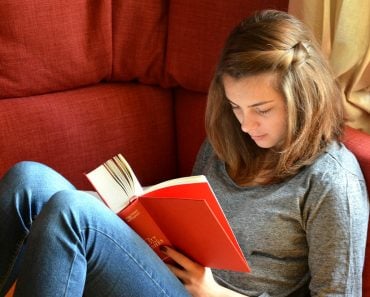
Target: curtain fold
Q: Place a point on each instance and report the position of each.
(342, 27)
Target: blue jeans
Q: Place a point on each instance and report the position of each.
(58, 241)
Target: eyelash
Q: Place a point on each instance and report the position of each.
(264, 112)
(259, 111)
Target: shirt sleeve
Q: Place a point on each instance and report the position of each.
(336, 214)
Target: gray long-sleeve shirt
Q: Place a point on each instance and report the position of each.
(303, 237)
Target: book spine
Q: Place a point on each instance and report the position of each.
(138, 218)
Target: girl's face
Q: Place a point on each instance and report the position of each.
(259, 107)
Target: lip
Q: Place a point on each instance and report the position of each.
(258, 137)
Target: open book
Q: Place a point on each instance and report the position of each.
(183, 213)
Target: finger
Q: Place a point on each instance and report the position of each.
(179, 258)
(180, 273)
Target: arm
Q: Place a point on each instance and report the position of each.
(198, 280)
(336, 217)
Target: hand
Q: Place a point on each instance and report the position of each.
(198, 280)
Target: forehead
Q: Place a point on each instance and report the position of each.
(252, 89)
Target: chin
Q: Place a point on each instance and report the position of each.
(265, 144)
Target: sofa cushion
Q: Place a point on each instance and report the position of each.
(48, 46)
(139, 40)
(359, 143)
(193, 46)
(75, 131)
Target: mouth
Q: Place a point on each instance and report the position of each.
(258, 137)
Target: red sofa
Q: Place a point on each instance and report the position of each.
(81, 81)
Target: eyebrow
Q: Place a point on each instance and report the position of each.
(260, 103)
(253, 105)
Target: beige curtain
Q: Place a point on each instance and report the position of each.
(342, 27)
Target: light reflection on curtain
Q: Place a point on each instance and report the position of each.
(342, 27)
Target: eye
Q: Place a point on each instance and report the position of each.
(263, 111)
(233, 106)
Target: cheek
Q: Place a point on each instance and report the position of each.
(276, 122)
(280, 126)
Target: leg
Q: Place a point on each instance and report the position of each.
(23, 192)
(79, 247)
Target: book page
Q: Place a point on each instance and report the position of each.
(120, 177)
(109, 190)
(127, 170)
(115, 182)
(175, 182)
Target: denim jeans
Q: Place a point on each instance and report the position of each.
(58, 241)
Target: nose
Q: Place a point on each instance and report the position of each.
(248, 124)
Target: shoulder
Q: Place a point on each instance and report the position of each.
(337, 161)
(335, 180)
(333, 171)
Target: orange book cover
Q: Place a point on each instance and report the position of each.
(138, 218)
(183, 213)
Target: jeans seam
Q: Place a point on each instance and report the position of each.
(70, 272)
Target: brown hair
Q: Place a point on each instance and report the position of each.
(275, 42)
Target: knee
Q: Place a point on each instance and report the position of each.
(65, 215)
(34, 174)
(67, 199)
(26, 169)
(73, 202)
(72, 210)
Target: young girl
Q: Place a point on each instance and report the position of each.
(294, 195)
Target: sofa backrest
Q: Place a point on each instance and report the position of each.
(56, 55)
(359, 143)
(49, 46)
